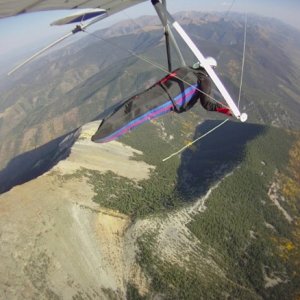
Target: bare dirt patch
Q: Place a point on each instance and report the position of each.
(55, 242)
(275, 198)
(113, 156)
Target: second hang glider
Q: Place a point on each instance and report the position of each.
(135, 111)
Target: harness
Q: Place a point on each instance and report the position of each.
(179, 81)
(175, 107)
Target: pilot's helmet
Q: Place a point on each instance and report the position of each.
(210, 60)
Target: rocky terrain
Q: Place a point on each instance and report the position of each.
(59, 242)
(56, 242)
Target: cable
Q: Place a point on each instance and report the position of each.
(196, 140)
(240, 90)
(166, 71)
(243, 61)
(158, 66)
(229, 9)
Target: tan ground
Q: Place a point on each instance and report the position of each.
(113, 156)
(275, 198)
(56, 243)
(175, 243)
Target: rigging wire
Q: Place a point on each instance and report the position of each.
(157, 65)
(135, 23)
(162, 68)
(243, 60)
(239, 99)
(229, 9)
(196, 140)
(166, 71)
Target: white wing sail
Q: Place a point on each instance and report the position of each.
(10, 8)
(80, 16)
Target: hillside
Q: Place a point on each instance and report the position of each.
(74, 85)
(112, 221)
(55, 242)
(81, 220)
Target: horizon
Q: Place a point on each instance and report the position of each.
(20, 42)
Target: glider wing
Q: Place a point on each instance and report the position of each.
(81, 16)
(10, 8)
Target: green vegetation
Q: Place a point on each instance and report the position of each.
(154, 195)
(36, 271)
(177, 282)
(133, 293)
(120, 193)
(241, 231)
(249, 237)
(234, 222)
(234, 225)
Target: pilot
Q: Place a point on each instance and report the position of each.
(203, 92)
(179, 91)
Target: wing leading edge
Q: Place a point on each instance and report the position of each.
(10, 8)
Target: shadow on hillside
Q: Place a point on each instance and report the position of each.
(212, 158)
(34, 163)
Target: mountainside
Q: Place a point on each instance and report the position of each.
(72, 86)
(81, 220)
(63, 244)
(112, 221)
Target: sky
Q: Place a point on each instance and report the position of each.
(23, 35)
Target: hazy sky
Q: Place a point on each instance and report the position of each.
(24, 34)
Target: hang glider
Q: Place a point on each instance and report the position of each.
(170, 93)
(135, 111)
(177, 92)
